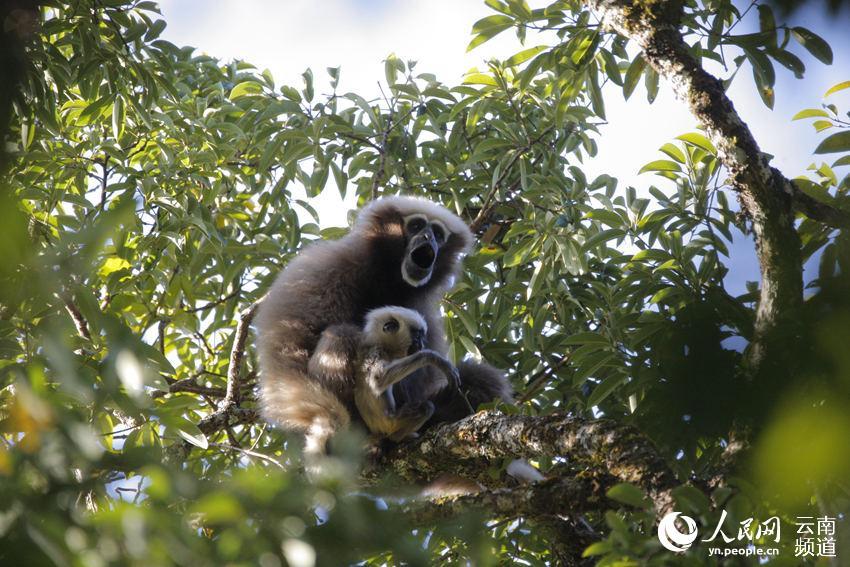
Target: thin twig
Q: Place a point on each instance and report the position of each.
(80, 322)
(237, 353)
(249, 453)
(487, 206)
(539, 379)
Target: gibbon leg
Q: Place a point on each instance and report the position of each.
(399, 369)
(410, 418)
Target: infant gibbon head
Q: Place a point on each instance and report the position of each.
(424, 238)
(397, 330)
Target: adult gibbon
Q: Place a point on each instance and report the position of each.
(390, 348)
(401, 251)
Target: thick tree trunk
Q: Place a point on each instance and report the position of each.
(766, 196)
(599, 454)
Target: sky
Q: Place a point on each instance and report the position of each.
(287, 36)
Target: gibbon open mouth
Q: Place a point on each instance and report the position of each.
(423, 256)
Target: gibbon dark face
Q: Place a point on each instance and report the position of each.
(425, 237)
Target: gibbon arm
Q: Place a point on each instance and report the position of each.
(401, 368)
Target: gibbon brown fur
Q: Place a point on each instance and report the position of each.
(390, 348)
(380, 262)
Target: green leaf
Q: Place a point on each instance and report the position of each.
(611, 68)
(633, 74)
(390, 69)
(270, 152)
(597, 102)
(585, 49)
(845, 160)
(838, 87)
(587, 338)
(118, 117)
(218, 507)
(524, 55)
(27, 134)
(590, 365)
(673, 151)
(789, 61)
(810, 113)
(610, 218)
(598, 548)
(765, 91)
(691, 499)
(519, 254)
(246, 88)
(308, 85)
(487, 28)
(698, 140)
(494, 21)
(762, 67)
(651, 84)
(113, 264)
(813, 43)
(479, 79)
(605, 389)
(660, 165)
(838, 142)
(602, 236)
(193, 435)
(665, 294)
(763, 74)
(629, 494)
(767, 23)
(364, 105)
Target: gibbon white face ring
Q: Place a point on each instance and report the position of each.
(410, 279)
(424, 238)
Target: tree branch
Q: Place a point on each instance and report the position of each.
(767, 197)
(229, 411)
(467, 448)
(819, 211)
(553, 497)
(237, 353)
(78, 318)
(487, 205)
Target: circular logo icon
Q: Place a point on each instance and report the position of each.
(670, 536)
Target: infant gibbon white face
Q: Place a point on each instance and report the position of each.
(400, 331)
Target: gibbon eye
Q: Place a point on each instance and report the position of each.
(391, 326)
(440, 232)
(415, 224)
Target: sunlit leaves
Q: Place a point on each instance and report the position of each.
(524, 55)
(582, 285)
(810, 113)
(246, 88)
(487, 28)
(838, 142)
(836, 88)
(698, 140)
(660, 165)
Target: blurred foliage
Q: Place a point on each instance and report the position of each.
(152, 191)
